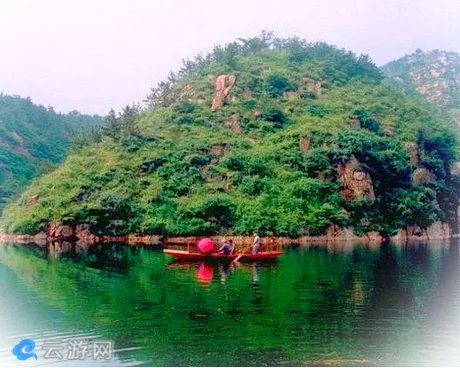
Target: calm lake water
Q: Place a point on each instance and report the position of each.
(378, 304)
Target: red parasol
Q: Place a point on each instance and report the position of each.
(206, 245)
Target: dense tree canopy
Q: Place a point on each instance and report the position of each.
(32, 139)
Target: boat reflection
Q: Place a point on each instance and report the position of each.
(224, 271)
(205, 272)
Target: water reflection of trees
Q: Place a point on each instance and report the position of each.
(439, 332)
(312, 303)
(116, 257)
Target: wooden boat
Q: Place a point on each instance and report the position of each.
(188, 251)
(195, 255)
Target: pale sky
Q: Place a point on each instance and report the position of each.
(95, 55)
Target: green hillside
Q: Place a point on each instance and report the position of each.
(279, 136)
(32, 139)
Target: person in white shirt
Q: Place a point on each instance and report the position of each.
(256, 244)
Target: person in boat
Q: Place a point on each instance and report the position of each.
(256, 244)
(226, 247)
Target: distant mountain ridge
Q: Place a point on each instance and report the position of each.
(32, 139)
(433, 75)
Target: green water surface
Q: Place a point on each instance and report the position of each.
(319, 304)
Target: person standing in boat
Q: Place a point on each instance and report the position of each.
(256, 244)
(226, 247)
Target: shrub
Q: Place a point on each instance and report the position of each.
(275, 115)
(277, 83)
(214, 211)
(368, 122)
(116, 213)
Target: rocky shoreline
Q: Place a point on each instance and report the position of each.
(81, 233)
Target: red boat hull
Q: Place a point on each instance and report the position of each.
(183, 254)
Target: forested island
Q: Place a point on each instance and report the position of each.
(279, 136)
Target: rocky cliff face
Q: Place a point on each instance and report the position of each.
(234, 123)
(224, 84)
(305, 143)
(435, 75)
(357, 184)
(308, 85)
(432, 76)
(83, 236)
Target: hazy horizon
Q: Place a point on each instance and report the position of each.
(91, 56)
